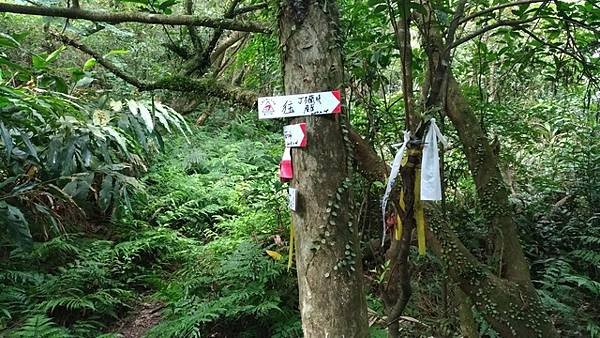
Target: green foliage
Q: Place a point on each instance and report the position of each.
(191, 232)
(196, 255)
(73, 284)
(226, 185)
(39, 326)
(62, 156)
(242, 286)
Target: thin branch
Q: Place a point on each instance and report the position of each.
(512, 23)
(206, 86)
(565, 51)
(219, 50)
(495, 8)
(104, 16)
(460, 11)
(230, 59)
(249, 8)
(202, 59)
(189, 10)
(229, 14)
(101, 60)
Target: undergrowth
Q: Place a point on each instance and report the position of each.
(195, 241)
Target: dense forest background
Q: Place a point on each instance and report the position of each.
(139, 193)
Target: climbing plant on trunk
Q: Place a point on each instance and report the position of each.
(330, 282)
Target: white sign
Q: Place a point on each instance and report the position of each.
(293, 196)
(299, 105)
(295, 135)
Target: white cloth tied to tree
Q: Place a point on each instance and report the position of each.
(392, 178)
(431, 184)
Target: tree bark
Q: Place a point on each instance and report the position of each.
(397, 292)
(468, 326)
(330, 281)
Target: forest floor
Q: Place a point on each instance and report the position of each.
(146, 315)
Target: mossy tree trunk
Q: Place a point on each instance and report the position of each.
(507, 299)
(468, 326)
(330, 282)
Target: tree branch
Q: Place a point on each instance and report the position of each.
(578, 58)
(189, 10)
(230, 41)
(450, 35)
(206, 86)
(104, 16)
(202, 59)
(100, 59)
(495, 8)
(512, 23)
(249, 8)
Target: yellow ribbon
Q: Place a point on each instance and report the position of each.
(399, 227)
(419, 215)
(291, 251)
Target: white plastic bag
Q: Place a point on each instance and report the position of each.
(431, 184)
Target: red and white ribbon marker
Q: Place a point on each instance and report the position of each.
(321, 103)
(295, 135)
(286, 173)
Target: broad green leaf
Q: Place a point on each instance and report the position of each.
(8, 41)
(54, 55)
(16, 225)
(38, 62)
(7, 139)
(158, 112)
(118, 137)
(146, 117)
(139, 132)
(30, 146)
(89, 64)
(84, 82)
(133, 107)
(116, 52)
(106, 192)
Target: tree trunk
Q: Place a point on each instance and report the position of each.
(468, 326)
(332, 302)
(509, 302)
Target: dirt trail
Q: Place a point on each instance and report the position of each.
(144, 317)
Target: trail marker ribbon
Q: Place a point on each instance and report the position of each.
(431, 185)
(286, 173)
(392, 178)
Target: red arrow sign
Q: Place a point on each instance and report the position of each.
(295, 135)
(321, 103)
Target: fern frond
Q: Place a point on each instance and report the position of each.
(39, 326)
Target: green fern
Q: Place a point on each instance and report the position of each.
(39, 326)
(217, 295)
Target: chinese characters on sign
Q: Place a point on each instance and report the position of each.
(295, 135)
(299, 105)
